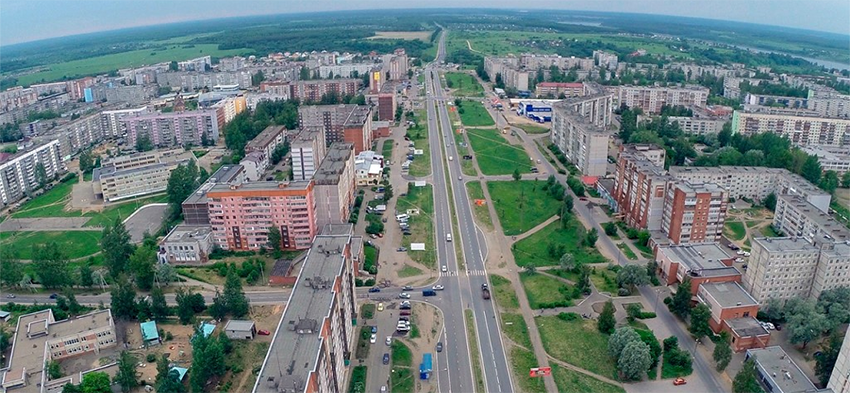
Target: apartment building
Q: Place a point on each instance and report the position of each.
(203, 63)
(650, 98)
(173, 129)
(640, 187)
(228, 107)
(386, 106)
(267, 141)
(830, 159)
(276, 88)
(778, 373)
(839, 381)
(829, 103)
(533, 61)
(789, 267)
(335, 185)
(694, 213)
(112, 121)
(186, 244)
(800, 130)
(308, 149)
(579, 130)
(241, 214)
(396, 64)
(255, 164)
(352, 70)
(18, 171)
(197, 80)
(794, 216)
(316, 332)
(555, 89)
(341, 123)
(78, 135)
(39, 338)
(195, 208)
(17, 97)
(703, 263)
(313, 90)
(508, 69)
(605, 59)
(137, 174)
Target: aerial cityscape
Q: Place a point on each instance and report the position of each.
(621, 197)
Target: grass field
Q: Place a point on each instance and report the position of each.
(521, 361)
(495, 155)
(515, 328)
(464, 85)
(403, 379)
(474, 114)
(534, 250)
(768, 231)
(504, 293)
(735, 230)
(463, 149)
(409, 271)
(544, 291)
(577, 342)
(421, 225)
(402, 35)
(604, 280)
(421, 165)
(531, 128)
(482, 212)
(387, 149)
(75, 244)
(137, 58)
(576, 382)
(521, 205)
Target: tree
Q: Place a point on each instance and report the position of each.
(610, 228)
(845, 180)
(86, 278)
(96, 382)
(234, 297)
(126, 375)
(86, 161)
(182, 181)
(173, 66)
(825, 362)
(185, 311)
(54, 370)
(681, 303)
(51, 266)
(725, 134)
(517, 176)
(770, 201)
(607, 322)
(699, 321)
(165, 274)
(811, 170)
(804, 325)
(773, 309)
(214, 353)
(142, 266)
(722, 352)
(257, 78)
(591, 237)
(635, 360)
(12, 268)
(618, 341)
(74, 306)
(567, 262)
(123, 299)
(41, 176)
(143, 143)
(829, 181)
(632, 276)
(275, 239)
(218, 309)
(746, 381)
(159, 308)
(116, 247)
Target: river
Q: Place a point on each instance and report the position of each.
(826, 63)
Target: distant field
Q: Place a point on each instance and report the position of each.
(402, 35)
(136, 58)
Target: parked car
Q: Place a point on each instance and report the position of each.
(386, 359)
(263, 332)
(679, 381)
(439, 347)
(407, 288)
(405, 305)
(53, 296)
(373, 339)
(380, 306)
(10, 296)
(389, 340)
(401, 249)
(374, 289)
(374, 329)
(404, 312)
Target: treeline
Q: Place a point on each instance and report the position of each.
(247, 125)
(773, 89)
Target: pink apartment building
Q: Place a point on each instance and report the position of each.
(241, 215)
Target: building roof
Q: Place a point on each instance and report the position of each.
(244, 326)
(181, 372)
(781, 370)
(728, 294)
(700, 188)
(265, 138)
(826, 223)
(784, 244)
(207, 329)
(700, 259)
(300, 185)
(149, 330)
(186, 233)
(746, 327)
(575, 85)
(296, 342)
(226, 173)
(256, 156)
(338, 157)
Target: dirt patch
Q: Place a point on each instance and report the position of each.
(401, 35)
(429, 323)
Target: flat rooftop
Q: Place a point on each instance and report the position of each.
(703, 259)
(266, 136)
(747, 327)
(782, 372)
(824, 221)
(226, 173)
(184, 233)
(700, 188)
(261, 186)
(334, 163)
(784, 244)
(296, 342)
(729, 294)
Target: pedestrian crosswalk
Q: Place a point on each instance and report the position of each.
(476, 272)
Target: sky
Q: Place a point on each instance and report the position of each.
(30, 20)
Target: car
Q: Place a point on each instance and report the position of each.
(438, 287)
(679, 381)
(405, 319)
(746, 253)
(777, 326)
(373, 236)
(374, 329)
(460, 178)
(444, 269)
(389, 340)
(53, 296)
(406, 233)
(380, 306)
(741, 252)
(440, 346)
(263, 332)
(484, 286)
(407, 288)
(383, 388)
(404, 295)
(404, 312)
(10, 296)
(582, 198)
(374, 289)
(386, 359)
(401, 249)
(405, 305)
(373, 339)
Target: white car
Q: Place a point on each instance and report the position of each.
(444, 268)
(438, 287)
(404, 295)
(389, 340)
(373, 339)
(741, 252)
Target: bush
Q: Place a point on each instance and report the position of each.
(169, 336)
(671, 343)
(646, 315)
(568, 316)
(151, 357)
(624, 292)
(358, 282)
(369, 283)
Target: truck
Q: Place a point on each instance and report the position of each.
(429, 292)
(425, 367)
(485, 291)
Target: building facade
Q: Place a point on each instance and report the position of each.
(340, 123)
(650, 99)
(800, 130)
(137, 174)
(794, 216)
(694, 213)
(335, 185)
(307, 151)
(18, 172)
(186, 244)
(702, 263)
(640, 187)
(579, 130)
(173, 129)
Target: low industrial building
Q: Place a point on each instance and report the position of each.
(186, 244)
(150, 334)
(703, 263)
(240, 330)
(726, 300)
(747, 333)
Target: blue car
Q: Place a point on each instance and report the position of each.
(374, 289)
(374, 329)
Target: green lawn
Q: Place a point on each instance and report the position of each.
(136, 58)
(503, 292)
(402, 357)
(532, 128)
(464, 85)
(421, 165)
(521, 361)
(421, 225)
(735, 230)
(409, 271)
(482, 212)
(521, 205)
(403, 378)
(534, 250)
(57, 196)
(473, 114)
(576, 382)
(604, 280)
(515, 328)
(75, 244)
(463, 149)
(577, 342)
(627, 251)
(768, 231)
(495, 155)
(545, 292)
(387, 149)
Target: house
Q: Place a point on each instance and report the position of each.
(240, 330)
(150, 334)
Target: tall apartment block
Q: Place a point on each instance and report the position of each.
(18, 172)
(579, 131)
(173, 129)
(396, 64)
(829, 103)
(694, 213)
(508, 69)
(315, 337)
(195, 207)
(794, 216)
(651, 99)
(307, 150)
(605, 59)
(137, 174)
(78, 135)
(386, 106)
(800, 130)
(241, 215)
(839, 381)
(789, 267)
(534, 61)
(112, 121)
(640, 187)
(335, 185)
(313, 90)
(341, 123)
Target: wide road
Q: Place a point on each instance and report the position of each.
(491, 351)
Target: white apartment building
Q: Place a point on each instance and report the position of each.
(307, 151)
(18, 173)
(334, 185)
(579, 131)
(830, 159)
(651, 99)
(839, 381)
(800, 130)
(794, 216)
(508, 69)
(112, 124)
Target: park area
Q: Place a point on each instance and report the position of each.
(464, 85)
(522, 205)
(495, 155)
(473, 114)
(545, 247)
(422, 224)
(544, 291)
(577, 341)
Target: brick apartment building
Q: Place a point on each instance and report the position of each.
(335, 185)
(694, 213)
(734, 310)
(386, 106)
(341, 123)
(640, 187)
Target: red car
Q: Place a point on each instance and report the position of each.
(679, 381)
(263, 332)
